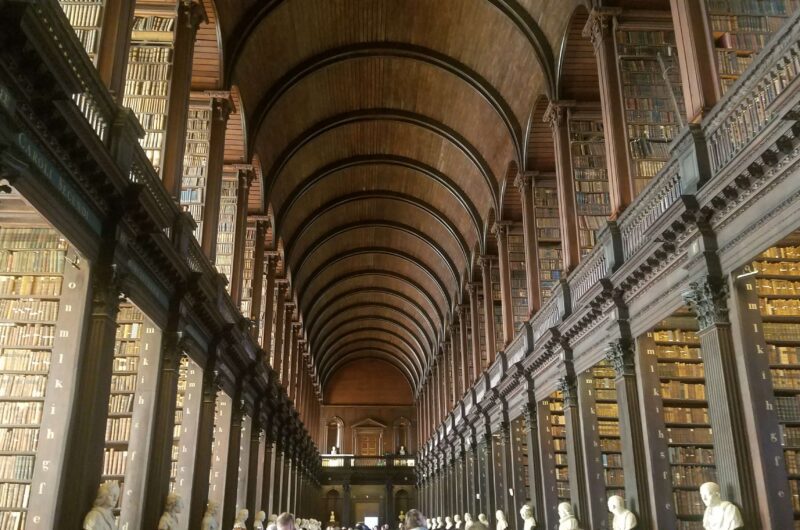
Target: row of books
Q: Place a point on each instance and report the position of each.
(787, 408)
(651, 131)
(691, 455)
(118, 429)
(30, 285)
(680, 390)
(678, 369)
(775, 331)
(647, 168)
(16, 467)
(676, 335)
(154, 107)
(14, 495)
(743, 41)
(126, 348)
(19, 439)
(790, 436)
(83, 14)
(120, 403)
(688, 502)
(693, 476)
(31, 239)
(779, 307)
(23, 309)
(147, 54)
(19, 385)
(135, 88)
(21, 360)
(783, 354)
(685, 415)
(129, 331)
(20, 412)
(612, 460)
(31, 261)
(762, 7)
(689, 435)
(128, 312)
(10, 520)
(783, 252)
(731, 63)
(32, 335)
(644, 148)
(126, 364)
(153, 23)
(114, 461)
(123, 383)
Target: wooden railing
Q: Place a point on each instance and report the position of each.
(350, 461)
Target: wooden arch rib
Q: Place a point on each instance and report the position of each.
(317, 328)
(403, 349)
(358, 225)
(381, 114)
(389, 274)
(378, 324)
(369, 353)
(391, 49)
(320, 310)
(524, 23)
(331, 170)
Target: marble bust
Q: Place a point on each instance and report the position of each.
(101, 516)
(482, 518)
(566, 519)
(439, 522)
(526, 512)
(719, 514)
(501, 523)
(258, 520)
(448, 523)
(624, 519)
(209, 521)
(457, 521)
(467, 520)
(172, 507)
(239, 521)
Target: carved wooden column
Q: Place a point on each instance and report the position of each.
(590, 476)
(501, 233)
(556, 116)
(475, 477)
(205, 439)
(237, 268)
(634, 460)
(190, 14)
(267, 484)
(455, 353)
(269, 301)
(501, 456)
(534, 455)
(524, 183)
(258, 278)
(114, 45)
(487, 488)
(701, 90)
(347, 501)
(708, 298)
(254, 448)
(83, 462)
(575, 457)
(463, 315)
(288, 340)
(472, 289)
(488, 306)
(599, 29)
(277, 348)
(221, 108)
(546, 480)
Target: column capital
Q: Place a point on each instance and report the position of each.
(566, 385)
(283, 285)
(195, 13)
(556, 113)
(621, 356)
(474, 287)
(708, 298)
(221, 106)
(500, 228)
(107, 291)
(485, 261)
(598, 25)
(529, 413)
(524, 180)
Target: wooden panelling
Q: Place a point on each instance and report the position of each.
(368, 382)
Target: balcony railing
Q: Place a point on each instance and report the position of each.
(351, 461)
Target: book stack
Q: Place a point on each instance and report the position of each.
(195, 162)
(226, 229)
(86, 19)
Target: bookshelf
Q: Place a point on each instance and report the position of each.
(554, 445)
(740, 29)
(195, 162)
(519, 439)
(180, 400)
(548, 235)
(501, 482)
(181, 482)
(651, 114)
(226, 229)
(219, 453)
(86, 19)
(588, 152)
(497, 306)
(778, 290)
(672, 362)
(482, 331)
(247, 276)
(519, 285)
(148, 76)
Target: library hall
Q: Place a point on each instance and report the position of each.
(399, 264)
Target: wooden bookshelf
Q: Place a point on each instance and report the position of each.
(148, 77)
(778, 290)
(740, 29)
(553, 440)
(548, 235)
(191, 397)
(86, 19)
(519, 439)
(180, 401)
(672, 362)
(247, 276)
(588, 151)
(226, 229)
(222, 424)
(519, 285)
(195, 162)
(497, 305)
(651, 96)
(482, 331)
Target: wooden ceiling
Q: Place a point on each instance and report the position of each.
(385, 131)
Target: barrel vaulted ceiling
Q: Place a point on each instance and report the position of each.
(385, 130)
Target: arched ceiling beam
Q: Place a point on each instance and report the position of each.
(318, 328)
(344, 200)
(319, 310)
(440, 311)
(402, 50)
(369, 353)
(374, 333)
(387, 251)
(412, 341)
(248, 23)
(382, 159)
(380, 114)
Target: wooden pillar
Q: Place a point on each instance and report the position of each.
(288, 340)
(83, 460)
(546, 481)
(588, 438)
(524, 183)
(529, 412)
(258, 278)
(221, 108)
(502, 466)
(475, 478)
(277, 349)
(240, 231)
(390, 515)
(463, 346)
(699, 79)
(256, 434)
(556, 116)
(205, 439)
(575, 455)
(488, 306)
(114, 45)
(599, 29)
(501, 233)
(267, 484)
(190, 15)
(346, 502)
(487, 488)
(472, 289)
(455, 355)
(269, 301)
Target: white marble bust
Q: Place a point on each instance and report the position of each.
(566, 519)
(209, 521)
(526, 512)
(457, 520)
(101, 516)
(241, 517)
(500, 518)
(448, 523)
(624, 519)
(482, 518)
(172, 507)
(439, 522)
(719, 514)
(467, 520)
(258, 520)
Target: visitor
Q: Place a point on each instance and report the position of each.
(415, 520)
(285, 521)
